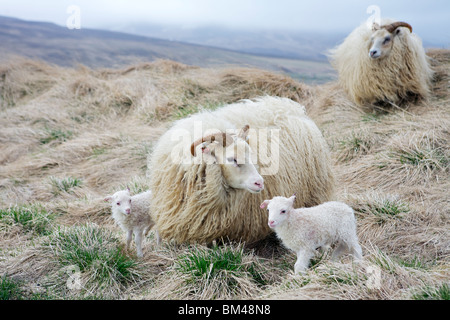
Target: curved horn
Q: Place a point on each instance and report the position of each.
(225, 138)
(393, 26)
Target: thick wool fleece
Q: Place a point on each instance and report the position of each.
(404, 73)
(193, 203)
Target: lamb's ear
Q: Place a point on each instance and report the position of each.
(107, 199)
(292, 199)
(264, 204)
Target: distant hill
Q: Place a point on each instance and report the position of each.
(304, 45)
(98, 48)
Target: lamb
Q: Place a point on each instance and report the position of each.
(131, 214)
(270, 145)
(385, 63)
(304, 230)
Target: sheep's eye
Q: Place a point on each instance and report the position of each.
(283, 211)
(118, 203)
(130, 200)
(386, 40)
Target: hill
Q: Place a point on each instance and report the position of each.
(105, 49)
(70, 136)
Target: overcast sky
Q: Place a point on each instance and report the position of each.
(430, 19)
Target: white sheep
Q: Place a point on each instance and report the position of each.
(384, 63)
(304, 230)
(131, 213)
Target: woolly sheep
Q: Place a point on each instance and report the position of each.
(131, 214)
(196, 199)
(306, 229)
(384, 63)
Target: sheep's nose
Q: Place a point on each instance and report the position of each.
(260, 184)
(373, 53)
(271, 223)
(128, 211)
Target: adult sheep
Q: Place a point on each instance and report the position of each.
(385, 63)
(202, 194)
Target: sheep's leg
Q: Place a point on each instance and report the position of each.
(138, 240)
(303, 258)
(129, 237)
(339, 251)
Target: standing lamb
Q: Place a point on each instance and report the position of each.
(384, 63)
(304, 230)
(132, 215)
(206, 194)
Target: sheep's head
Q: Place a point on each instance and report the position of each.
(278, 209)
(382, 38)
(233, 154)
(121, 201)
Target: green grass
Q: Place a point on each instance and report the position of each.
(353, 145)
(55, 135)
(220, 262)
(440, 293)
(10, 289)
(385, 208)
(34, 218)
(426, 159)
(95, 250)
(65, 184)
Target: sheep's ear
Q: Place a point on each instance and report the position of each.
(375, 26)
(107, 199)
(243, 134)
(264, 204)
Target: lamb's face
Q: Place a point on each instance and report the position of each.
(121, 201)
(278, 209)
(381, 44)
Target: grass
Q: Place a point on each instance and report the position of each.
(95, 252)
(55, 135)
(226, 263)
(32, 218)
(433, 293)
(65, 184)
(383, 208)
(10, 289)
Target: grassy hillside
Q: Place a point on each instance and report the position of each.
(104, 49)
(70, 136)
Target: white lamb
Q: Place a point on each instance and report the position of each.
(131, 214)
(304, 230)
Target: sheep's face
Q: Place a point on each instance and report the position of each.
(381, 43)
(278, 209)
(121, 201)
(238, 169)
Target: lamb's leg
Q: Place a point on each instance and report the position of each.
(138, 240)
(303, 258)
(355, 250)
(339, 251)
(129, 237)
(158, 238)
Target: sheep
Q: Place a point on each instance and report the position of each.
(203, 196)
(304, 230)
(131, 214)
(384, 64)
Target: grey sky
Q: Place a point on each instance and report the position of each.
(430, 19)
